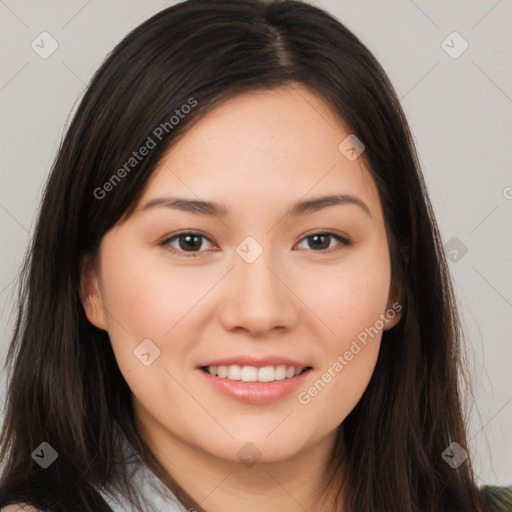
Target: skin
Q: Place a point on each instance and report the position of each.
(257, 154)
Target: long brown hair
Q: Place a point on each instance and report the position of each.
(65, 387)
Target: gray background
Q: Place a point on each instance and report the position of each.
(459, 110)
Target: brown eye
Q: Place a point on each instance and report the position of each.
(321, 242)
(187, 243)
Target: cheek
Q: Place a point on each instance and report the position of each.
(349, 297)
(148, 297)
(350, 301)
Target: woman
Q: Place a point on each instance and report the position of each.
(236, 296)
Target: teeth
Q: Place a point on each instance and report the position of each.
(253, 374)
(234, 372)
(267, 374)
(280, 372)
(249, 374)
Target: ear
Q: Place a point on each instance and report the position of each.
(394, 307)
(90, 293)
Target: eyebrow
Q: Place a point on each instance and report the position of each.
(213, 209)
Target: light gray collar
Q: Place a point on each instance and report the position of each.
(154, 495)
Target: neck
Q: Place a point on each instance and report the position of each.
(217, 484)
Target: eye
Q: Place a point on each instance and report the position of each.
(188, 242)
(322, 241)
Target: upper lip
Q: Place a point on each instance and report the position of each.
(256, 362)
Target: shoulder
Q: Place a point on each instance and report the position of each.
(19, 507)
(498, 499)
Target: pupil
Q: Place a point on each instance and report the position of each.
(323, 245)
(190, 241)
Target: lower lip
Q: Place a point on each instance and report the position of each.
(256, 393)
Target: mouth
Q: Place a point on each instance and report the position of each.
(255, 380)
(263, 374)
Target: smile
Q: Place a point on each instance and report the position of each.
(253, 374)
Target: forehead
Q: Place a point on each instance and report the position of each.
(263, 121)
(265, 145)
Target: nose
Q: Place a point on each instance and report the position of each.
(258, 298)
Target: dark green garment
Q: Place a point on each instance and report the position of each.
(497, 499)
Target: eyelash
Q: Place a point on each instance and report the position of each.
(344, 242)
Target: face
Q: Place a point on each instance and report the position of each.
(261, 283)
